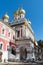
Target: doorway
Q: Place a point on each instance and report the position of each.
(23, 53)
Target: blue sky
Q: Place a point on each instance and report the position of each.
(34, 11)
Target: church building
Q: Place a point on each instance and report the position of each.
(17, 38)
(24, 36)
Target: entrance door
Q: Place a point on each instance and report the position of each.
(23, 53)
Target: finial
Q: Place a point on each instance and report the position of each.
(20, 6)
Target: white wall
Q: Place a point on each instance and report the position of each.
(4, 56)
(29, 34)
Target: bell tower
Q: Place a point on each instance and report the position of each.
(19, 18)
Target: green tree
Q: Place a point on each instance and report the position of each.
(40, 43)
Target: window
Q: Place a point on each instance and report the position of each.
(18, 32)
(0, 46)
(13, 37)
(9, 34)
(21, 32)
(3, 31)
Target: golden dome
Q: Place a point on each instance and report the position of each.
(6, 16)
(22, 11)
(16, 13)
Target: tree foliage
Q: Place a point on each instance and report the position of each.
(40, 43)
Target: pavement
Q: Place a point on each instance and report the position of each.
(22, 63)
(17, 63)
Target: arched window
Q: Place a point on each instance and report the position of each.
(1, 46)
(18, 33)
(3, 31)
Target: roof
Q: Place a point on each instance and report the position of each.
(17, 22)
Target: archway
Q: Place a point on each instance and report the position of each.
(23, 53)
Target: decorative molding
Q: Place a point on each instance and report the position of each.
(3, 37)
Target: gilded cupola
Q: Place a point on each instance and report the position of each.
(6, 16)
